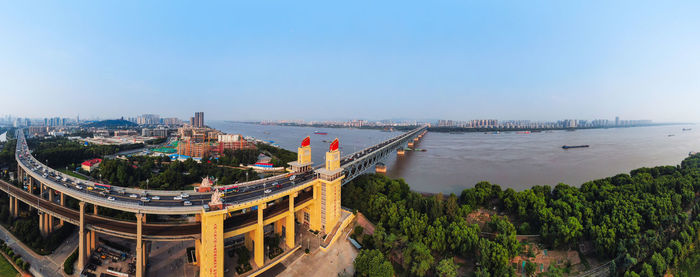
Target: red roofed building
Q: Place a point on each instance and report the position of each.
(89, 165)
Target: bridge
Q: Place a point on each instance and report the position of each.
(311, 197)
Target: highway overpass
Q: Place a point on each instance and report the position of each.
(312, 197)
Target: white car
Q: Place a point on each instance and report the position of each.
(155, 197)
(177, 198)
(78, 187)
(133, 195)
(145, 199)
(187, 203)
(268, 191)
(111, 198)
(184, 195)
(292, 178)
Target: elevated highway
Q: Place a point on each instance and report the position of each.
(312, 197)
(353, 165)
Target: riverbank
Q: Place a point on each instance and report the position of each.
(627, 229)
(535, 130)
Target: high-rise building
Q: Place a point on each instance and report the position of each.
(617, 121)
(198, 119)
(148, 119)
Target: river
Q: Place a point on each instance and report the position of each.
(454, 162)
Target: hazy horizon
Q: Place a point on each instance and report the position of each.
(538, 61)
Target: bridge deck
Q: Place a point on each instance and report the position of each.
(151, 231)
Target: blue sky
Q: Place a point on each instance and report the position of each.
(536, 60)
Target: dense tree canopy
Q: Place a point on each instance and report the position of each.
(643, 221)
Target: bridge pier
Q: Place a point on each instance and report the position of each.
(249, 240)
(139, 245)
(63, 203)
(88, 245)
(279, 226)
(13, 205)
(41, 224)
(49, 218)
(289, 224)
(15, 211)
(81, 238)
(259, 239)
(211, 244)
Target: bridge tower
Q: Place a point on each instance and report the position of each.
(210, 253)
(327, 191)
(303, 162)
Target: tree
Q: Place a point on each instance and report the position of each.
(658, 263)
(373, 264)
(530, 268)
(646, 271)
(505, 235)
(417, 258)
(494, 258)
(447, 268)
(462, 238)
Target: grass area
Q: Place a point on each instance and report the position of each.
(6, 269)
(71, 173)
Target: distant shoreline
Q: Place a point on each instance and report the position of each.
(455, 129)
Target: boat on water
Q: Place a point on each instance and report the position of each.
(575, 146)
(523, 132)
(320, 133)
(671, 135)
(687, 129)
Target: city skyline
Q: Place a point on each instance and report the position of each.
(449, 60)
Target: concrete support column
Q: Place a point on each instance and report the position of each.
(249, 240)
(41, 224)
(88, 246)
(315, 208)
(49, 218)
(12, 205)
(95, 211)
(145, 254)
(81, 239)
(279, 224)
(259, 244)
(16, 208)
(93, 235)
(289, 234)
(63, 203)
(139, 245)
(47, 223)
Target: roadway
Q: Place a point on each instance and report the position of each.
(151, 231)
(173, 202)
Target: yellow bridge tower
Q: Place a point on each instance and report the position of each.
(320, 213)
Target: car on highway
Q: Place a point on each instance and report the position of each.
(184, 195)
(187, 203)
(145, 199)
(78, 187)
(177, 198)
(133, 195)
(268, 191)
(156, 197)
(111, 198)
